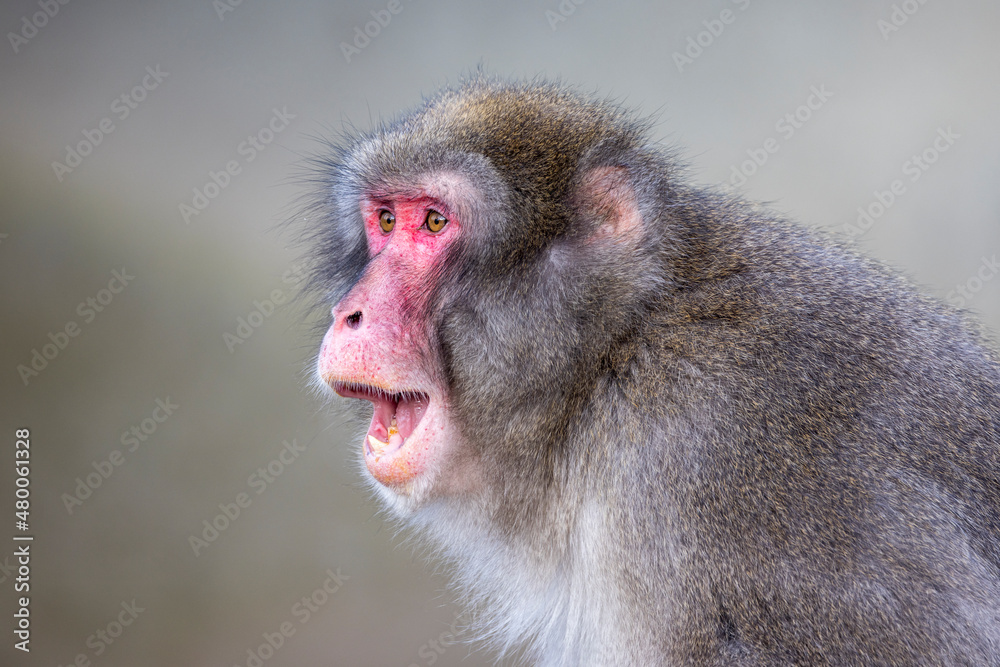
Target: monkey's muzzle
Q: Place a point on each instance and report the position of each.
(394, 418)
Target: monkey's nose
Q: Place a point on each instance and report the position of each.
(353, 320)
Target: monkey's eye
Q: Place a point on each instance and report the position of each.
(386, 221)
(435, 222)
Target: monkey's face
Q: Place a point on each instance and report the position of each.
(492, 252)
(471, 360)
(378, 347)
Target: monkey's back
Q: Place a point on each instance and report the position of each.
(844, 479)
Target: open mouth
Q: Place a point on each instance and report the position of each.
(394, 419)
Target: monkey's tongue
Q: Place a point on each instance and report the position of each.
(393, 422)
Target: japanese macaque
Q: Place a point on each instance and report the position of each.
(645, 422)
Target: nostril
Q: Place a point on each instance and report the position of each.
(354, 319)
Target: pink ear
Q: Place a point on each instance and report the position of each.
(607, 194)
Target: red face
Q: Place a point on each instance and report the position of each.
(377, 347)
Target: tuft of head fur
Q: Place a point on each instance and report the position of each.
(722, 439)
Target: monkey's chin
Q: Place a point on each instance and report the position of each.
(397, 447)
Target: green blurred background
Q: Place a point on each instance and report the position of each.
(200, 78)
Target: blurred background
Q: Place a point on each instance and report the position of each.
(192, 501)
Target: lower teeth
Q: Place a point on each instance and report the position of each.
(393, 437)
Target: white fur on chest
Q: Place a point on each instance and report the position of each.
(562, 602)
